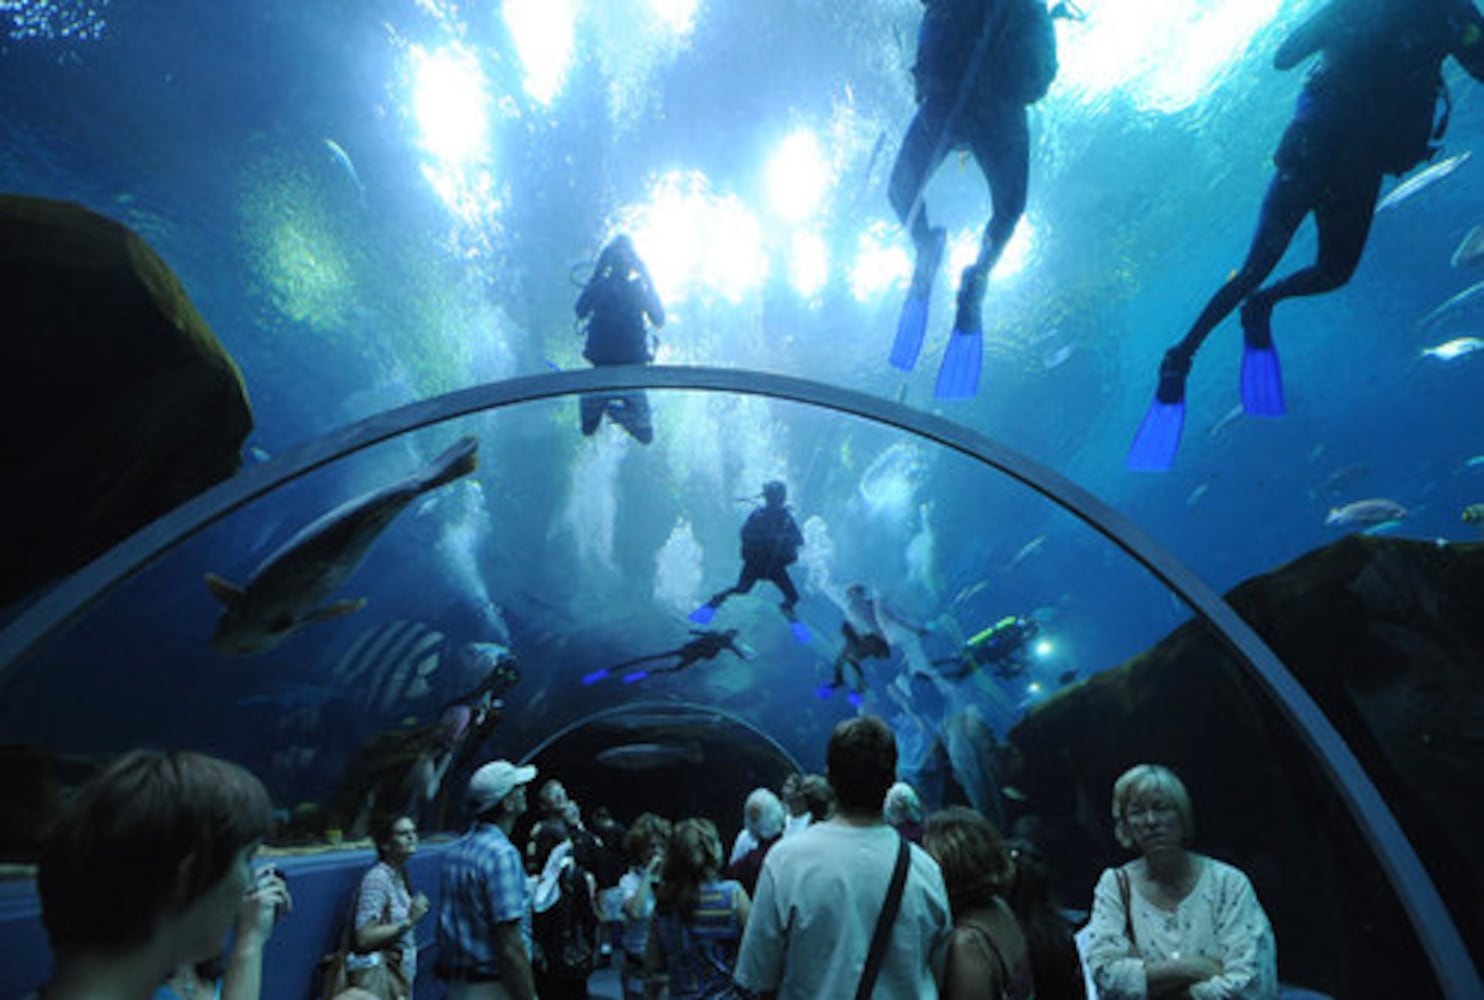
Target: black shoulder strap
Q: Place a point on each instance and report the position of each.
(883, 923)
(1126, 892)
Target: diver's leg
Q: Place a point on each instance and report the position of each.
(1284, 206)
(592, 407)
(685, 660)
(1002, 148)
(781, 580)
(1344, 222)
(745, 580)
(923, 149)
(632, 415)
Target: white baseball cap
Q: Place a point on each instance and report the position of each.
(495, 780)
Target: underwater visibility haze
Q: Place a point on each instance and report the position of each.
(376, 203)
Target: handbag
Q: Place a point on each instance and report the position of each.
(386, 979)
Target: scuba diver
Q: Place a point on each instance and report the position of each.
(770, 544)
(979, 63)
(1001, 647)
(615, 302)
(864, 631)
(1365, 111)
(707, 645)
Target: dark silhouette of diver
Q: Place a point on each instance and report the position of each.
(615, 302)
(1365, 111)
(857, 649)
(865, 638)
(1002, 647)
(979, 63)
(706, 645)
(770, 544)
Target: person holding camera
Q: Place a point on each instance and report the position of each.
(173, 834)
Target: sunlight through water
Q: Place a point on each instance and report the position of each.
(694, 239)
(1185, 48)
(798, 176)
(451, 105)
(543, 32)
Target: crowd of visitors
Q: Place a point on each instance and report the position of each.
(839, 887)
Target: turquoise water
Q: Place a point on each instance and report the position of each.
(376, 202)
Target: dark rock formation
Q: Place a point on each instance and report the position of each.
(118, 401)
(1388, 637)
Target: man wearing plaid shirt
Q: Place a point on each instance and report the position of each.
(484, 926)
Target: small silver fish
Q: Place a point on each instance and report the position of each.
(1227, 419)
(342, 160)
(1470, 252)
(291, 586)
(1422, 181)
(1461, 299)
(1365, 512)
(1453, 349)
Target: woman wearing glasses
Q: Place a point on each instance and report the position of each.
(1172, 922)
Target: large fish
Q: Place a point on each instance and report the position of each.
(290, 588)
(1422, 181)
(1365, 512)
(390, 667)
(649, 756)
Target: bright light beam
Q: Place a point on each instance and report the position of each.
(544, 35)
(798, 176)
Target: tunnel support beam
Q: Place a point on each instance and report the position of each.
(1440, 938)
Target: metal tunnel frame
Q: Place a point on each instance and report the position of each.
(1445, 947)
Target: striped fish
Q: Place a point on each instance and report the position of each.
(391, 666)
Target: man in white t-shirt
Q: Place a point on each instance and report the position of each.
(822, 890)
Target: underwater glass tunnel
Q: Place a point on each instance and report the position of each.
(372, 222)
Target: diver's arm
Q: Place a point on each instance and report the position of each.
(1307, 39)
(586, 300)
(1468, 40)
(652, 305)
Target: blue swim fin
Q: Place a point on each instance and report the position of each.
(855, 698)
(801, 632)
(911, 326)
(703, 614)
(958, 376)
(595, 676)
(1158, 438)
(637, 675)
(912, 323)
(1262, 375)
(824, 691)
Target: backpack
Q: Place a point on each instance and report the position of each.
(1022, 60)
(567, 932)
(768, 538)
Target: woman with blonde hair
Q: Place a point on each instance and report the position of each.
(987, 955)
(1173, 922)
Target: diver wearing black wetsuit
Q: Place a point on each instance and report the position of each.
(1365, 111)
(706, 645)
(770, 544)
(615, 302)
(991, 126)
